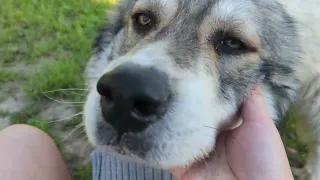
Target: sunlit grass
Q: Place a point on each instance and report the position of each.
(107, 1)
(56, 34)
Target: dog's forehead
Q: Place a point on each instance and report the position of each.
(233, 9)
(241, 16)
(187, 24)
(221, 8)
(205, 16)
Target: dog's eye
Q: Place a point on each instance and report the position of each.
(233, 43)
(143, 20)
(231, 46)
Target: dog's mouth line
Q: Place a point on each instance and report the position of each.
(235, 119)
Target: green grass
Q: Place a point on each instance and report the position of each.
(56, 35)
(9, 76)
(62, 74)
(291, 139)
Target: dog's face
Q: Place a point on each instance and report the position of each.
(169, 75)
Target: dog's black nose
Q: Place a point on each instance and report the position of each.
(133, 97)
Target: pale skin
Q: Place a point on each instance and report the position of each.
(27, 153)
(252, 151)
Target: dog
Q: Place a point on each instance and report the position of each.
(166, 76)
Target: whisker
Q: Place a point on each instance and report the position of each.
(70, 89)
(63, 102)
(75, 93)
(211, 127)
(73, 131)
(67, 92)
(66, 118)
(77, 105)
(84, 148)
(82, 131)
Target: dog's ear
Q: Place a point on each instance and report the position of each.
(114, 23)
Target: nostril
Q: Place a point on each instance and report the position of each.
(142, 108)
(105, 91)
(146, 107)
(108, 94)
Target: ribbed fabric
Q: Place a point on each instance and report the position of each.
(109, 167)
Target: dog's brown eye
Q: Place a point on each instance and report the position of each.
(233, 43)
(143, 20)
(231, 46)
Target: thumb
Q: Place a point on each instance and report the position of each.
(255, 109)
(256, 150)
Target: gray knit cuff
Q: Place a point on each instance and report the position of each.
(108, 167)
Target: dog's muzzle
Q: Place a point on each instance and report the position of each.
(133, 97)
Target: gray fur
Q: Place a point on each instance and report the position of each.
(277, 60)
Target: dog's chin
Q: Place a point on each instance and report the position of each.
(119, 149)
(127, 155)
(120, 152)
(146, 147)
(142, 149)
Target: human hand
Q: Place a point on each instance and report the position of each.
(253, 151)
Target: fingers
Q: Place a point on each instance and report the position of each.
(256, 149)
(255, 109)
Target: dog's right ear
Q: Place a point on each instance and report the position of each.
(114, 23)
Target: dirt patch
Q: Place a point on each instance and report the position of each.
(14, 103)
(12, 98)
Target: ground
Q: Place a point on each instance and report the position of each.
(44, 46)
